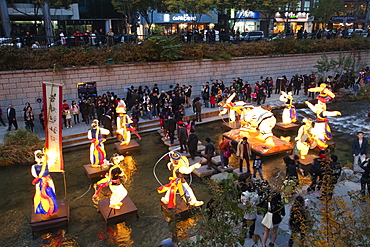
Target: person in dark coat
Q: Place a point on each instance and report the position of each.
(360, 147)
(365, 179)
(278, 212)
(291, 169)
(183, 138)
(171, 128)
(192, 143)
(12, 118)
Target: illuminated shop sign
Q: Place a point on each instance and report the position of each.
(247, 14)
(183, 17)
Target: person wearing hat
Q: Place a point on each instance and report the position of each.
(97, 152)
(243, 152)
(179, 165)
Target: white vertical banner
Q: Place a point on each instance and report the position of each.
(52, 94)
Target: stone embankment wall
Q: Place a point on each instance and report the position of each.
(19, 87)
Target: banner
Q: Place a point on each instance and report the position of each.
(52, 94)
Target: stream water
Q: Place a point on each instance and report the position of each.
(87, 226)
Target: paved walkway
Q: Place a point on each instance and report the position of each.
(81, 127)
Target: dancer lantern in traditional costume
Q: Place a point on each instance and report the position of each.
(124, 123)
(97, 152)
(305, 138)
(113, 179)
(179, 165)
(289, 113)
(324, 93)
(322, 130)
(232, 107)
(44, 201)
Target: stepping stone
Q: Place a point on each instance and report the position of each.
(168, 142)
(133, 145)
(201, 148)
(238, 173)
(222, 169)
(204, 172)
(216, 160)
(219, 177)
(111, 216)
(196, 160)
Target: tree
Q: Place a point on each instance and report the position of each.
(325, 9)
(45, 5)
(191, 7)
(130, 8)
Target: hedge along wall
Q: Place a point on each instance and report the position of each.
(19, 87)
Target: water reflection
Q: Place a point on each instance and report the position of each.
(87, 227)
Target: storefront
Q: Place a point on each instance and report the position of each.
(178, 22)
(291, 22)
(246, 21)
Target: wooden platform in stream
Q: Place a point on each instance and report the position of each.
(111, 216)
(40, 222)
(287, 127)
(182, 209)
(132, 146)
(92, 172)
(257, 145)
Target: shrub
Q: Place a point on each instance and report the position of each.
(18, 147)
(166, 48)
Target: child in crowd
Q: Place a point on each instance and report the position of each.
(212, 100)
(257, 166)
(68, 119)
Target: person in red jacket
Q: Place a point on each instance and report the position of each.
(225, 152)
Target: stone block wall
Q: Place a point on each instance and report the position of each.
(19, 87)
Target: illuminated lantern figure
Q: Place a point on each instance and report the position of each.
(305, 138)
(44, 201)
(232, 107)
(114, 179)
(179, 165)
(324, 93)
(289, 113)
(252, 118)
(322, 130)
(97, 152)
(123, 123)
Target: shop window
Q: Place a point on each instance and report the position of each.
(87, 89)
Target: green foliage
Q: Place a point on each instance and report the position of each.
(220, 222)
(18, 147)
(166, 48)
(344, 64)
(169, 48)
(325, 9)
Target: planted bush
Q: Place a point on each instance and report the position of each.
(166, 48)
(19, 147)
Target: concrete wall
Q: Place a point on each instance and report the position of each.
(19, 87)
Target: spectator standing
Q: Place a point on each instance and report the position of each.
(29, 119)
(75, 109)
(278, 212)
(209, 152)
(365, 178)
(225, 147)
(65, 109)
(198, 110)
(250, 199)
(12, 117)
(257, 166)
(360, 147)
(206, 94)
(110, 36)
(243, 152)
(183, 138)
(69, 119)
(193, 144)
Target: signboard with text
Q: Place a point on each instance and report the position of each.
(52, 94)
